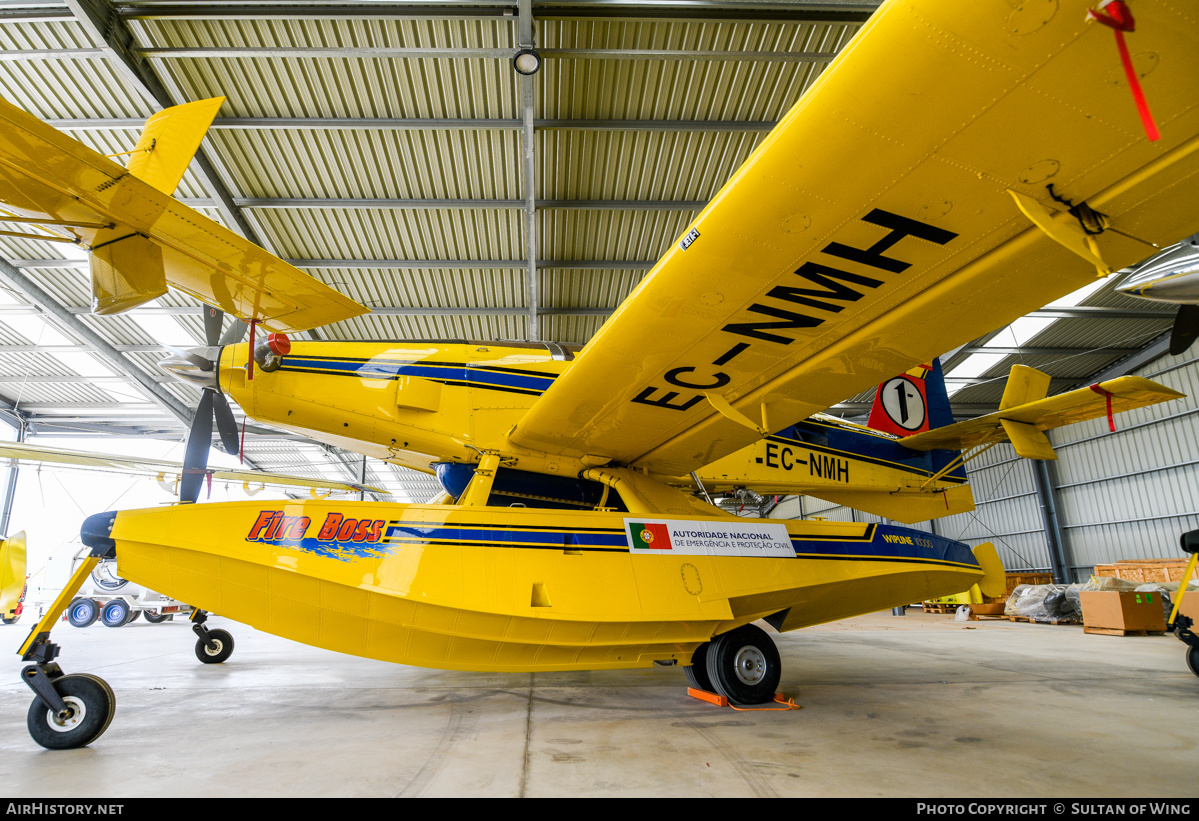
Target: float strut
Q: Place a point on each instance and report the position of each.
(41, 651)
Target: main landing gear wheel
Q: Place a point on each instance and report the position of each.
(697, 673)
(83, 612)
(744, 665)
(116, 613)
(90, 706)
(218, 647)
(1193, 659)
(154, 617)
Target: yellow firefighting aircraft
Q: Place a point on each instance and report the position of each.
(909, 202)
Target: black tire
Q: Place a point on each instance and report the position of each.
(744, 665)
(133, 614)
(224, 647)
(7, 620)
(1193, 659)
(697, 673)
(154, 617)
(116, 613)
(93, 705)
(83, 612)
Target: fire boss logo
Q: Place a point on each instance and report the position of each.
(273, 526)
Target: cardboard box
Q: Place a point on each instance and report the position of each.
(1108, 609)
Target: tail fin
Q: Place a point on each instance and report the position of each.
(12, 573)
(913, 402)
(169, 141)
(127, 268)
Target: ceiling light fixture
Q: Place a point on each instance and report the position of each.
(527, 62)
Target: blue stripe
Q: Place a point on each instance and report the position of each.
(382, 369)
(922, 547)
(564, 538)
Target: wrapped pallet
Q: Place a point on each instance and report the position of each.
(1051, 603)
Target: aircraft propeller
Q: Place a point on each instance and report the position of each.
(198, 366)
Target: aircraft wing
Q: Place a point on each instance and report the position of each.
(85, 460)
(875, 227)
(137, 233)
(1125, 392)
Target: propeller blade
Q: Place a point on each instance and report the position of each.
(213, 319)
(195, 456)
(1186, 329)
(235, 333)
(226, 425)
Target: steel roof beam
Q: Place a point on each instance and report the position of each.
(1055, 383)
(421, 124)
(1035, 351)
(529, 156)
(401, 53)
(82, 347)
(309, 203)
(1154, 350)
(413, 264)
(1092, 312)
(384, 310)
(782, 12)
(68, 379)
(19, 15)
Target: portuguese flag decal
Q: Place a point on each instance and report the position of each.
(650, 536)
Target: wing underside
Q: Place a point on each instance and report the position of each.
(132, 229)
(875, 227)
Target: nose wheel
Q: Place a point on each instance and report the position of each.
(68, 711)
(88, 705)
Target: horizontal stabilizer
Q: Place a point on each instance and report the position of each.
(1029, 442)
(1024, 424)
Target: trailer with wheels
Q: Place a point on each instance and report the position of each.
(107, 598)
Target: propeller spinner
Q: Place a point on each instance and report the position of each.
(1171, 276)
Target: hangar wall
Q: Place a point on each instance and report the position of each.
(1122, 495)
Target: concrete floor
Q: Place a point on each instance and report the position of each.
(916, 706)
